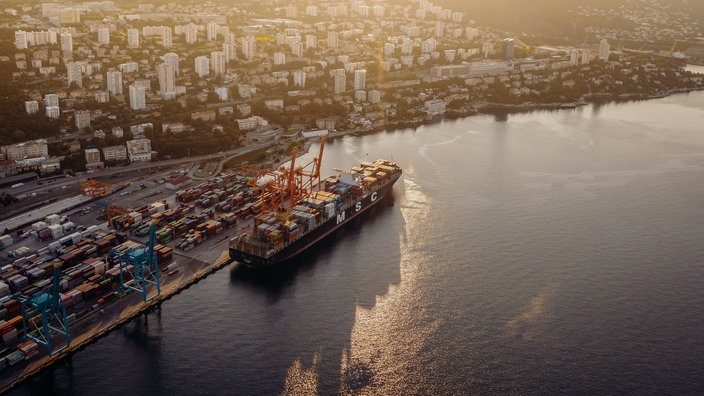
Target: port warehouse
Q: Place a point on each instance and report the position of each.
(90, 274)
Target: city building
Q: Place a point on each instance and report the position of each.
(434, 107)
(339, 80)
(30, 149)
(299, 78)
(104, 35)
(223, 93)
(172, 59)
(93, 158)
(139, 150)
(74, 74)
(114, 80)
(229, 48)
(509, 48)
(360, 80)
(167, 80)
(138, 99)
(250, 123)
(52, 111)
(190, 33)
(21, 39)
(311, 41)
(202, 66)
(374, 96)
(133, 38)
(66, 43)
(604, 49)
(332, 40)
(217, 62)
(115, 153)
(31, 106)
(279, 58)
(249, 47)
(166, 37)
(82, 119)
(51, 100)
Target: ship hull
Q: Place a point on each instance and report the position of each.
(335, 222)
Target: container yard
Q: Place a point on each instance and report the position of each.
(68, 278)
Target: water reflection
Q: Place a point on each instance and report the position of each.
(324, 287)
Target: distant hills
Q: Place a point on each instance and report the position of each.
(554, 17)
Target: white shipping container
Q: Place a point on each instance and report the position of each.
(100, 267)
(53, 219)
(56, 231)
(38, 226)
(6, 240)
(93, 230)
(76, 237)
(54, 246)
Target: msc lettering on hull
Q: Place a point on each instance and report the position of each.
(342, 216)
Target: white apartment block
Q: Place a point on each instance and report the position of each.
(139, 150)
(202, 66)
(138, 97)
(31, 106)
(115, 153)
(114, 80)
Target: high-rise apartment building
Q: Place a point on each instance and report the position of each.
(74, 73)
(167, 79)
(604, 49)
(360, 79)
(332, 40)
(66, 43)
(229, 48)
(133, 38)
(138, 97)
(249, 47)
(217, 62)
(114, 79)
(173, 60)
(339, 80)
(299, 78)
(166, 37)
(104, 35)
(21, 39)
(202, 66)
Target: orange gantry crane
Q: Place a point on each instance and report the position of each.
(292, 183)
(95, 189)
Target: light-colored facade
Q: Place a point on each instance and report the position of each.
(217, 62)
(604, 49)
(172, 59)
(31, 149)
(133, 38)
(139, 150)
(167, 80)
(74, 74)
(339, 80)
(31, 106)
(138, 99)
(114, 79)
(66, 43)
(360, 80)
(202, 66)
(104, 35)
(115, 153)
(82, 119)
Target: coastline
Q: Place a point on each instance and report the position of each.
(502, 109)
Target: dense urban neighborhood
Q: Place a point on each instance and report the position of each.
(98, 84)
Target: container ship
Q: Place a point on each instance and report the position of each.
(315, 210)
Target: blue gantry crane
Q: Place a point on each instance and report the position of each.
(139, 268)
(53, 312)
